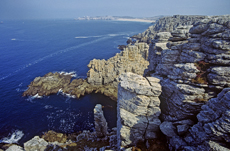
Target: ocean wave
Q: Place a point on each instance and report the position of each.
(72, 73)
(48, 107)
(13, 138)
(81, 37)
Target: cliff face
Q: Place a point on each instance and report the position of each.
(137, 108)
(193, 63)
(131, 59)
(167, 24)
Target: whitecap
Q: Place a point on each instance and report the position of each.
(37, 96)
(60, 91)
(13, 39)
(48, 107)
(72, 73)
(81, 37)
(13, 138)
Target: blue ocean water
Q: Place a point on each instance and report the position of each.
(31, 48)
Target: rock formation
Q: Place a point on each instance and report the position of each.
(193, 65)
(167, 24)
(138, 108)
(131, 59)
(102, 76)
(100, 122)
(188, 69)
(48, 84)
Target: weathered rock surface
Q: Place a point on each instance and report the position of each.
(48, 84)
(15, 148)
(168, 24)
(138, 108)
(36, 143)
(131, 59)
(100, 122)
(193, 65)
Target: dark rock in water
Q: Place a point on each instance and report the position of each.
(122, 47)
(49, 84)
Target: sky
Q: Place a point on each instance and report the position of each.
(61, 9)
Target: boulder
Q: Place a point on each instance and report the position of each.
(168, 129)
(36, 143)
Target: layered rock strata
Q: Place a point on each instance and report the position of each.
(131, 59)
(167, 24)
(137, 108)
(193, 65)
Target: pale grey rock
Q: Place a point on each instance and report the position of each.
(177, 100)
(100, 122)
(138, 111)
(15, 148)
(217, 147)
(35, 143)
(132, 59)
(219, 76)
(139, 85)
(162, 36)
(168, 129)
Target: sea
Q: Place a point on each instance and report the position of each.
(32, 48)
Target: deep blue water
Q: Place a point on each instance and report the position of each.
(32, 48)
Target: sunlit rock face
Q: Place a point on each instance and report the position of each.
(138, 108)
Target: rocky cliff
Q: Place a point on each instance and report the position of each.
(186, 93)
(192, 62)
(137, 109)
(167, 24)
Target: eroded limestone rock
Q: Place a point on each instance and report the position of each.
(138, 108)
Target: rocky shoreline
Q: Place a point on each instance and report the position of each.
(184, 95)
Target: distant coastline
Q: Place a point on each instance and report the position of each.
(118, 18)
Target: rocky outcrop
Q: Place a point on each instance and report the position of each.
(100, 122)
(138, 108)
(106, 72)
(193, 65)
(48, 84)
(167, 24)
(102, 76)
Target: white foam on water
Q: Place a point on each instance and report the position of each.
(48, 107)
(81, 37)
(13, 39)
(60, 91)
(13, 138)
(72, 73)
(37, 96)
(63, 120)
